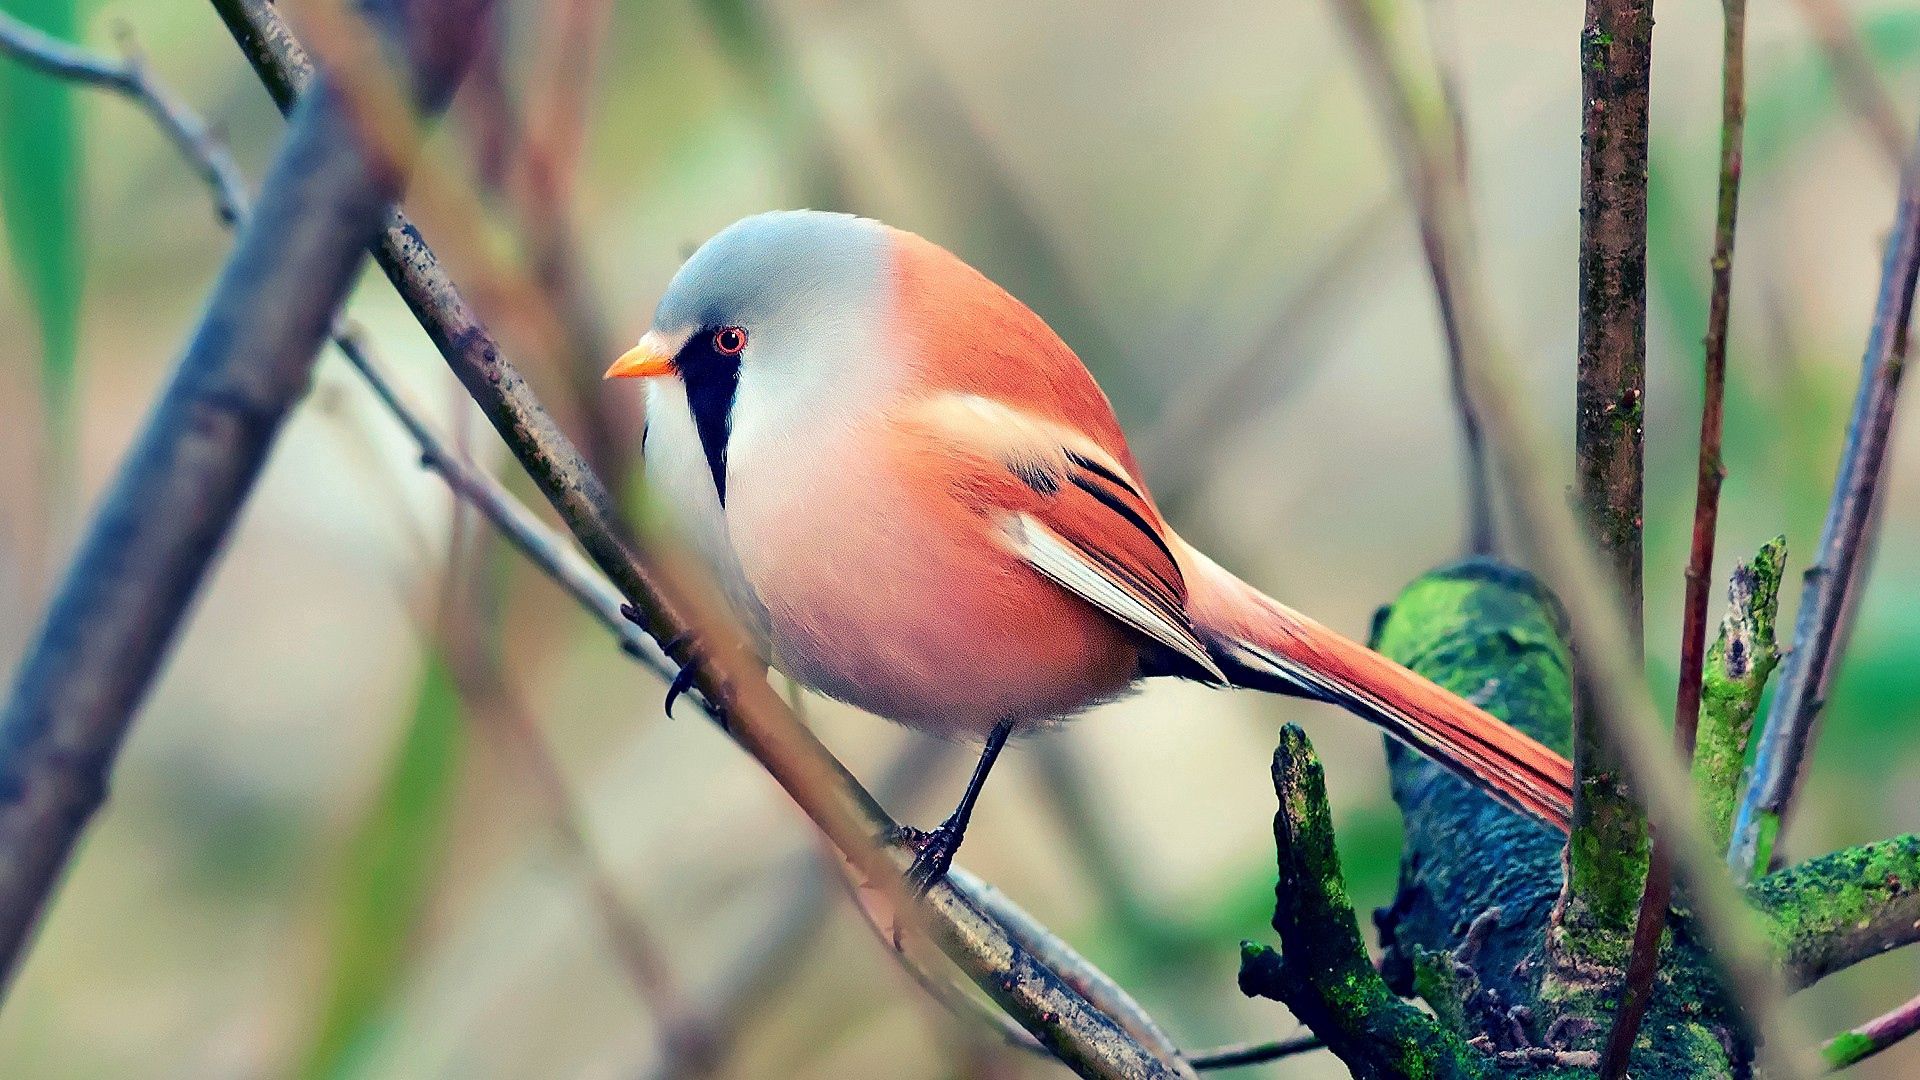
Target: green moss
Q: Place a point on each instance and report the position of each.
(1735, 675)
(1837, 909)
(1323, 972)
(1848, 1048)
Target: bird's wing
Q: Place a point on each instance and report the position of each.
(1077, 518)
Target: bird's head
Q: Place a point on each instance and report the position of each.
(786, 300)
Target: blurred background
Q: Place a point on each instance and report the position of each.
(324, 856)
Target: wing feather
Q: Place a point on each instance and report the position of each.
(1081, 521)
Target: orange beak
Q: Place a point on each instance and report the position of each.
(646, 360)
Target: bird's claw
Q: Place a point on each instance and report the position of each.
(676, 649)
(682, 682)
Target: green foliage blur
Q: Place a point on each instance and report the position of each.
(309, 867)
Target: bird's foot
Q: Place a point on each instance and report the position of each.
(933, 854)
(679, 650)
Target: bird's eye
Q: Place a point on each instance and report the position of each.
(729, 340)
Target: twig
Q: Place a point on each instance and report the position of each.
(1873, 1036)
(1450, 145)
(1710, 471)
(1602, 633)
(556, 557)
(1243, 1054)
(1834, 31)
(190, 470)
(1846, 539)
(737, 694)
(128, 77)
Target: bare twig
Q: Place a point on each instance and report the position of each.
(128, 77)
(1846, 540)
(190, 470)
(552, 554)
(737, 694)
(1601, 631)
(1243, 1054)
(1839, 41)
(1651, 918)
(1875, 1035)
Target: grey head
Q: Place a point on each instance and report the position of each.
(762, 320)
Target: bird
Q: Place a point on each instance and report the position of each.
(918, 501)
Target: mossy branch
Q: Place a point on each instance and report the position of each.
(1832, 912)
(1493, 634)
(1737, 668)
(1322, 972)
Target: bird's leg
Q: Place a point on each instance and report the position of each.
(935, 850)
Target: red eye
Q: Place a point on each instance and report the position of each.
(729, 340)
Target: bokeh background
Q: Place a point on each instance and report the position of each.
(320, 858)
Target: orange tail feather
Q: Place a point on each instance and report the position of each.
(1263, 644)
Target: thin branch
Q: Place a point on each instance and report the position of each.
(555, 556)
(1875, 1035)
(1601, 631)
(129, 78)
(1846, 539)
(1710, 471)
(1839, 41)
(190, 470)
(1098, 988)
(1243, 1054)
(675, 611)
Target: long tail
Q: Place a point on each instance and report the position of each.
(1262, 644)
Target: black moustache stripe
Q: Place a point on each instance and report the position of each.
(712, 381)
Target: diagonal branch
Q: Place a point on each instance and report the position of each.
(673, 610)
(181, 486)
(1839, 40)
(1846, 540)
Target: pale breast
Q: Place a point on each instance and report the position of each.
(678, 473)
